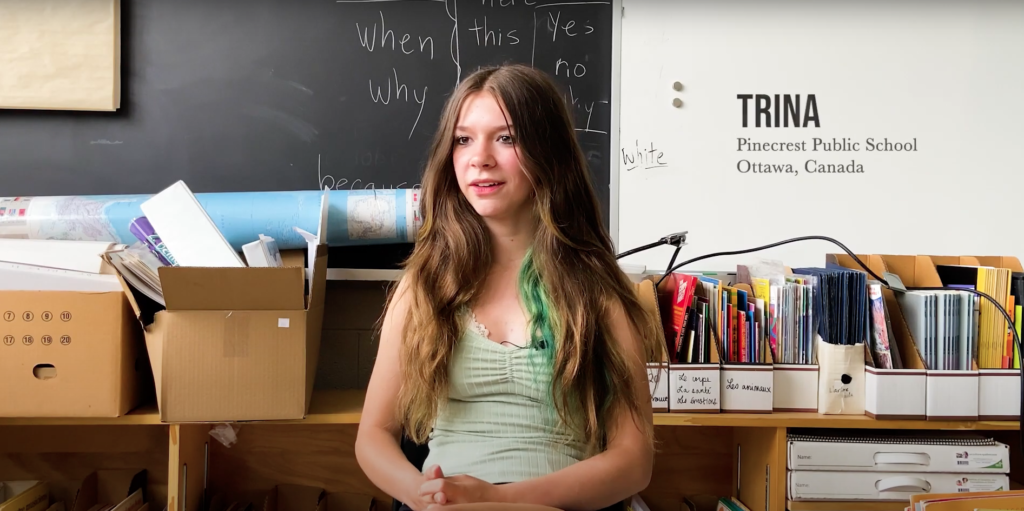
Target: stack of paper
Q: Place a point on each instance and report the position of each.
(841, 304)
(943, 326)
(994, 344)
(140, 268)
(81, 256)
(51, 265)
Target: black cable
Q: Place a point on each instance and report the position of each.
(676, 239)
(1006, 315)
(674, 255)
(772, 245)
(640, 249)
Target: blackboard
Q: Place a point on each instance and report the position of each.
(265, 95)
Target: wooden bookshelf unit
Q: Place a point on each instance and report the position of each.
(699, 454)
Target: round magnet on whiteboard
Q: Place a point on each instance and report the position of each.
(677, 103)
(677, 86)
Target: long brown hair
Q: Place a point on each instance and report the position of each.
(572, 258)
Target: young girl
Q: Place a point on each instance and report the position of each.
(513, 346)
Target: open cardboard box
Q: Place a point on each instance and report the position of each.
(696, 387)
(658, 381)
(236, 344)
(951, 395)
(891, 393)
(657, 371)
(679, 387)
(748, 387)
(112, 487)
(796, 388)
(998, 389)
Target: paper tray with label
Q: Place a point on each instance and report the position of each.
(814, 485)
(911, 452)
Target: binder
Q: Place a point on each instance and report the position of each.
(910, 451)
(889, 486)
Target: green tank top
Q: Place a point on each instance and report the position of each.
(498, 425)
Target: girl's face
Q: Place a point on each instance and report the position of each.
(486, 164)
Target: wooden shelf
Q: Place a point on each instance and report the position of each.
(334, 407)
(144, 415)
(814, 420)
(345, 407)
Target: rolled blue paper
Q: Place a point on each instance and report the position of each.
(355, 217)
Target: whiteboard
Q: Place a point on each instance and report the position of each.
(946, 77)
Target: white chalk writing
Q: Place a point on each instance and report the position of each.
(406, 45)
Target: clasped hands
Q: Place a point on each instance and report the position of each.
(438, 490)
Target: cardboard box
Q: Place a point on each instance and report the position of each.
(70, 354)
(949, 395)
(657, 371)
(895, 394)
(999, 394)
(796, 388)
(747, 388)
(841, 378)
(891, 393)
(658, 380)
(952, 395)
(236, 344)
(110, 487)
(695, 387)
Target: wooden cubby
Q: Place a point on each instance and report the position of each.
(699, 454)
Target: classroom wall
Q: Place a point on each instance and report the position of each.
(943, 76)
(946, 74)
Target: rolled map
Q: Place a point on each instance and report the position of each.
(355, 217)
